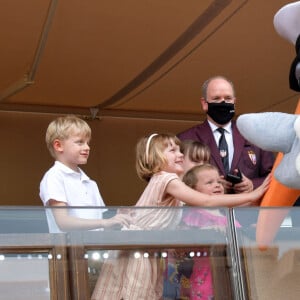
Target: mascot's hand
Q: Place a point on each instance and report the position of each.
(277, 132)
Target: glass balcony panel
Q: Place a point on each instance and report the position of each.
(24, 276)
(174, 241)
(32, 261)
(269, 253)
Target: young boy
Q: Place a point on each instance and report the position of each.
(65, 184)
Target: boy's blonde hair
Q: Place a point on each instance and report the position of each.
(196, 151)
(62, 127)
(149, 154)
(190, 177)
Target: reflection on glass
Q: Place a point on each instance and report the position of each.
(270, 270)
(186, 271)
(191, 261)
(24, 276)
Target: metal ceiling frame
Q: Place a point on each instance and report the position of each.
(28, 78)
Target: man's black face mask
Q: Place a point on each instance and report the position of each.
(221, 112)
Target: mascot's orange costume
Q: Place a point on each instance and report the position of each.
(279, 132)
(285, 185)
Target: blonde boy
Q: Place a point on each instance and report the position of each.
(66, 185)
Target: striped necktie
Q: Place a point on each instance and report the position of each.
(223, 148)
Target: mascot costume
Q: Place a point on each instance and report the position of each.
(279, 132)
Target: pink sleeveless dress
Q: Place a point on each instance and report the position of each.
(128, 278)
(200, 284)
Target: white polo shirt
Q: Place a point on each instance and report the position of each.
(74, 188)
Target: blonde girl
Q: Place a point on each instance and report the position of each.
(159, 162)
(159, 157)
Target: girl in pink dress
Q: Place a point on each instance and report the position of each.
(204, 178)
(158, 162)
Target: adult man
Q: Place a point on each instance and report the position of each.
(218, 102)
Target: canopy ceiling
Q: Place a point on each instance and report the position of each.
(140, 58)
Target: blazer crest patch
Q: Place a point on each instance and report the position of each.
(252, 156)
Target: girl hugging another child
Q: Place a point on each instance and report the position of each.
(159, 162)
(191, 278)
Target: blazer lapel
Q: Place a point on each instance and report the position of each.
(207, 135)
(238, 144)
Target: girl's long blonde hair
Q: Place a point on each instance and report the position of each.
(151, 159)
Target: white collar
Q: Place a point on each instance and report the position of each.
(214, 127)
(68, 170)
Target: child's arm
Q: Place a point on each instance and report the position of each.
(180, 191)
(68, 223)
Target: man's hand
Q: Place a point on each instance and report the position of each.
(245, 186)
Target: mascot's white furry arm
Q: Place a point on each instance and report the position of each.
(278, 132)
(275, 131)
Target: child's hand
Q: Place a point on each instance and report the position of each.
(119, 220)
(260, 191)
